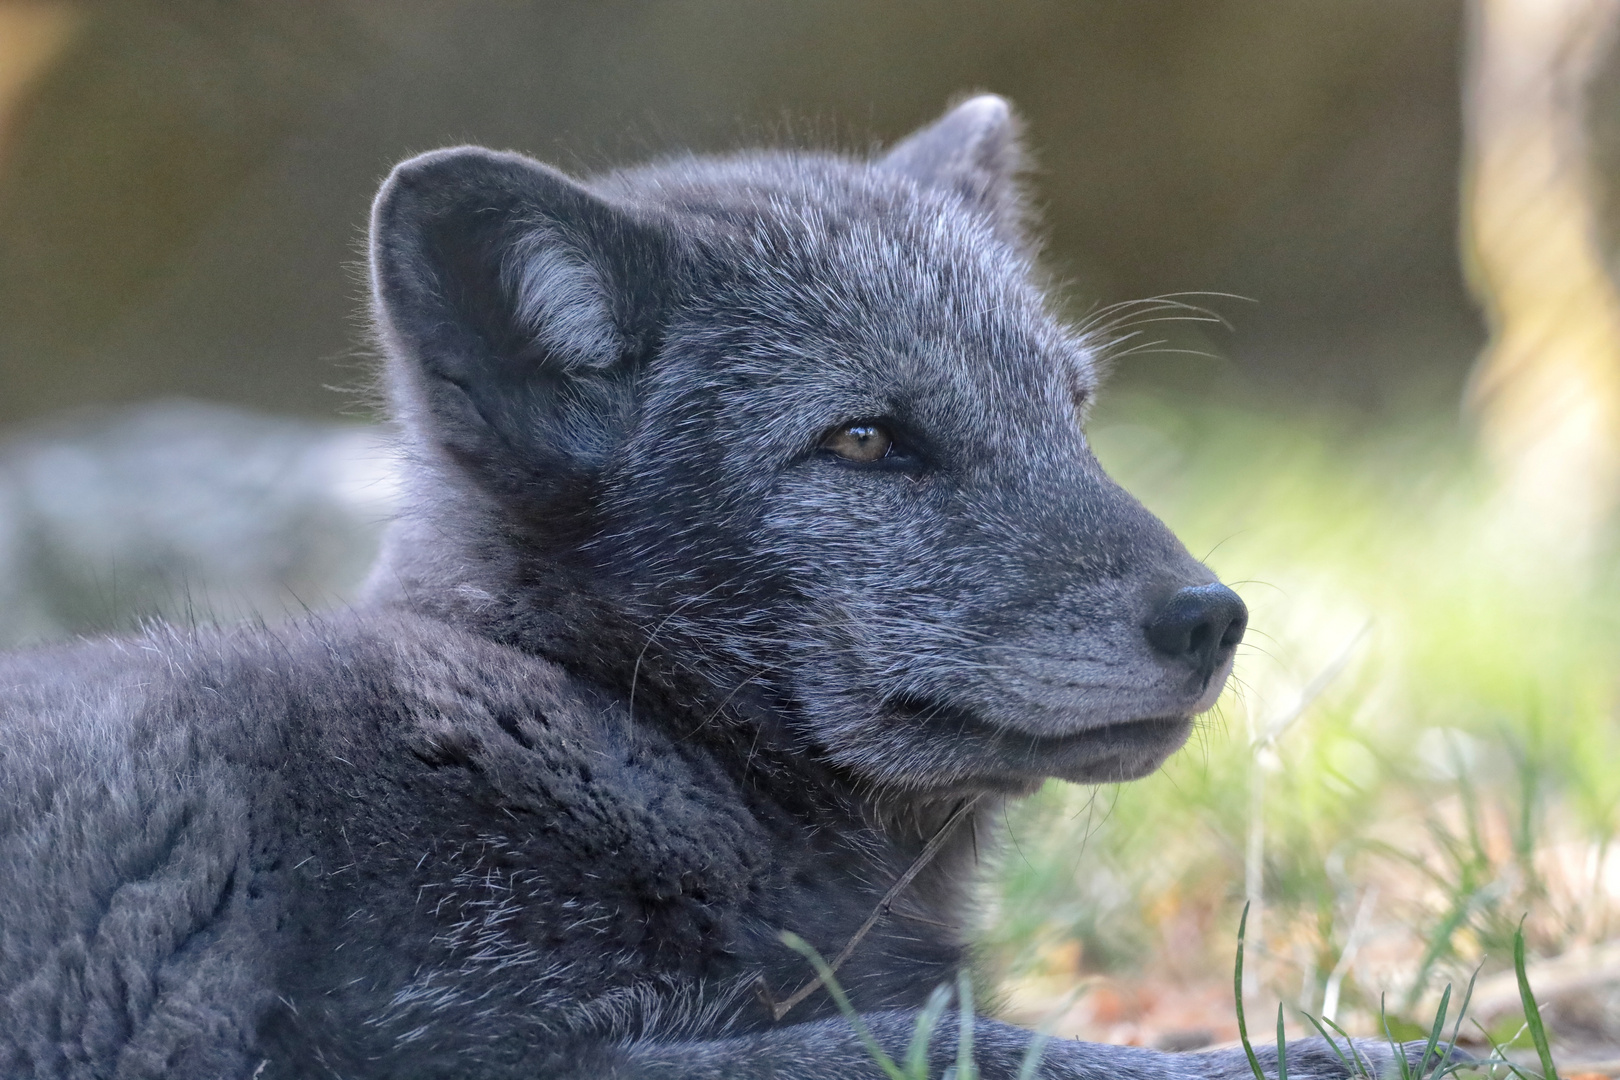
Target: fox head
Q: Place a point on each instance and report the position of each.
(787, 438)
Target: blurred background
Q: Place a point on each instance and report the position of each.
(1382, 393)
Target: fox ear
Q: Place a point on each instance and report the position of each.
(974, 151)
(515, 306)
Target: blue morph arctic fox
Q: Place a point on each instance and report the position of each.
(752, 534)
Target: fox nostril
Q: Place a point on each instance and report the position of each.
(1234, 629)
(1198, 624)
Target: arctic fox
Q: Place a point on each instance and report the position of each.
(752, 555)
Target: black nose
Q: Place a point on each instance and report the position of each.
(1200, 624)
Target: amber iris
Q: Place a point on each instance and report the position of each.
(859, 442)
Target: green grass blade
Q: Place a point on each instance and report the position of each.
(1437, 1030)
(1237, 994)
(1033, 1055)
(1282, 1046)
(1333, 1045)
(1532, 1011)
(1362, 1064)
(1499, 1055)
(1462, 1011)
(922, 1034)
(825, 972)
(1394, 1043)
(966, 1069)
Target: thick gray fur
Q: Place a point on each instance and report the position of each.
(645, 675)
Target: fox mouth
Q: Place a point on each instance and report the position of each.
(1107, 753)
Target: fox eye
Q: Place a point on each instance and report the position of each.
(860, 442)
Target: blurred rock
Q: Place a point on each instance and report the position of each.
(185, 511)
(1586, 1020)
(1180, 1042)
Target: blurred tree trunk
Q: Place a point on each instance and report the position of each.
(1546, 391)
(31, 36)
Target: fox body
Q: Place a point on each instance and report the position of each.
(751, 540)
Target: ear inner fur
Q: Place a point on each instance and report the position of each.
(515, 302)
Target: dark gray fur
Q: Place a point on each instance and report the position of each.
(644, 677)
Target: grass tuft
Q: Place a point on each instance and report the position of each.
(922, 1032)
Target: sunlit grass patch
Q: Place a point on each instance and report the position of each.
(1419, 746)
